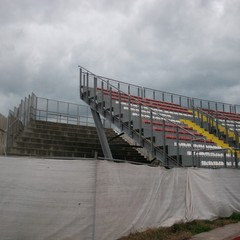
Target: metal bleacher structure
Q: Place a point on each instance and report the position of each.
(173, 129)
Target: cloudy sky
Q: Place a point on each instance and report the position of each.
(190, 47)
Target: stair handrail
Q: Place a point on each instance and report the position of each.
(155, 147)
(194, 137)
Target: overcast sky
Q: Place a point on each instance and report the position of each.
(190, 47)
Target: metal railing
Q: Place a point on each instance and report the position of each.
(229, 156)
(184, 101)
(48, 110)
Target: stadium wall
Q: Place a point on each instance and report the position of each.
(94, 199)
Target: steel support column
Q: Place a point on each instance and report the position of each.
(101, 135)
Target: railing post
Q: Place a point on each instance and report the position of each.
(164, 143)
(87, 83)
(217, 129)
(78, 115)
(225, 159)
(192, 152)
(140, 124)
(154, 95)
(80, 82)
(119, 110)
(198, 160)
(236, 159)
(25, 111)
(95, 90)
(192, 102)
(57, 110)
(110, 103)
(194, 117)
(237, 139)
(129, 115)
(67, 112)
(208, 125)
(102, 97)
(226, 129)
(28, 109)
(201, 123)
(177, 132)
(36, 108)
(151, 120)
(142, 93)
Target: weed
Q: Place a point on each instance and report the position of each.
(182, 231)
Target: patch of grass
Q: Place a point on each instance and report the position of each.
(182, 231)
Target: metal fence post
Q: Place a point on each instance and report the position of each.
(140, 124)
(236, 159)
(80, 82)
(151, 120)
(225, 159)
(164, 144)
(177, 132)
(129, 114)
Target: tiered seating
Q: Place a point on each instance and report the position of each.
(232, 120)
(165, 118)
(171, 111)
(184, 132)
(223, 115)
(151, 103)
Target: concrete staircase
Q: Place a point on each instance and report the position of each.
(48, 139)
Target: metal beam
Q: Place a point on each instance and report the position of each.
(101, 135)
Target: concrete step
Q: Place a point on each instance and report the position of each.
(22, 151)
(76, 147)
(52, 153)
(65, 127)
(46, 138)
(62, 140)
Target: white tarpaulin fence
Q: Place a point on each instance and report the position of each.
(89, 199)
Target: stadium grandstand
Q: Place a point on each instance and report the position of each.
(176, 130)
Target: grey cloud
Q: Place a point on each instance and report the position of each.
(186, 47)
